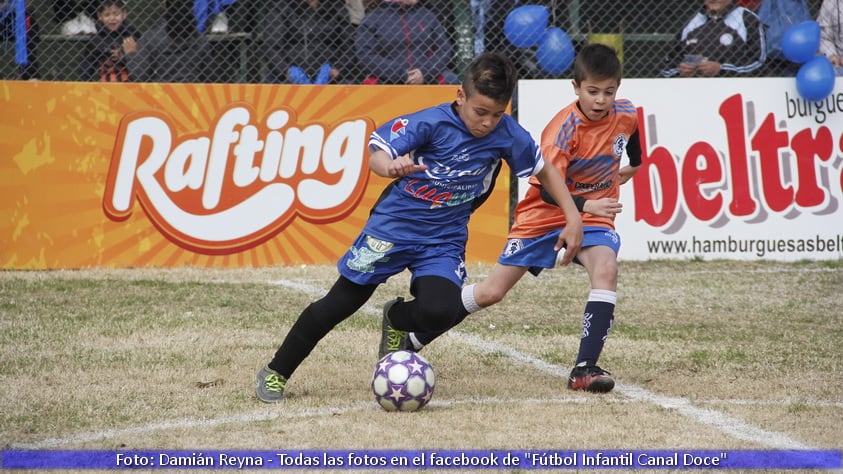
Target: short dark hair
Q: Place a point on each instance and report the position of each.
(111, 3)
(597, 61)
(492, 75)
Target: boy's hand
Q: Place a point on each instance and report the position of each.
(603, 207)
(571, 240)
(403, 166)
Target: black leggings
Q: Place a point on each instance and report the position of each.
(435, 308)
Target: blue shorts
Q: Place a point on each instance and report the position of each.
(371, 261)
(537, 253)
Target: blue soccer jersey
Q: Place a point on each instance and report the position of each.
(434, 205)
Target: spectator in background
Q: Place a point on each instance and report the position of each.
(173, 50)
(307, 42)
(830, 19)
(402, 42)
(105, 54)
(76, 17)
(721, 40)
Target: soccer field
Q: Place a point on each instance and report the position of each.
(712, 356)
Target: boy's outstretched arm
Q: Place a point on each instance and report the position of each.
(383, 165)
(571, 236)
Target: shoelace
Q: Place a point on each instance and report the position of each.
(275, 383)
(393, 338)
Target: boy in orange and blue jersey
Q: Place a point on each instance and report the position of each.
(585, 142)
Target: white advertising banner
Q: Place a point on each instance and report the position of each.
(740, 169)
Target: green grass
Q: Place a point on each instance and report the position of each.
(96, 351)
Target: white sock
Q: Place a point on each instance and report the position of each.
(414, 341)
(606, 296)
(468, 299)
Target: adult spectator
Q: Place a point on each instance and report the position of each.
(402, 42)
(830, 19)
(172, 50)
(308, 41)
(721, 40)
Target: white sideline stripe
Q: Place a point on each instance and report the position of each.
(683, 406)
(719, 420)
(283, 413)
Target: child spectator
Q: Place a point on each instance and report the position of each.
(723, 39)
(402, 42)
(105, 53)
(307, 42)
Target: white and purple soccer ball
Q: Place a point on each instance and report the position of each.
(403, 381)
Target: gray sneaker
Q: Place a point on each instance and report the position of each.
(269, 385)
(391, 339)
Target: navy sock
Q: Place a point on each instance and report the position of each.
(597, 322)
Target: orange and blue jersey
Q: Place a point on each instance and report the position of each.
(588, 155)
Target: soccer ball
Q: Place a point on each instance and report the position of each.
(403, 381)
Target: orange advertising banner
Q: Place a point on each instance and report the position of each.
(207, 175)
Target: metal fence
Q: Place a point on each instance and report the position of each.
(327, 41)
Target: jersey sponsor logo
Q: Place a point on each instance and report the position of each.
(238, 184)
(437, 169)
(581, 187)
(427, 192)
(398, 129)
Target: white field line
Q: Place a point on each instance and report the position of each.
(720, 421)
(276, 412)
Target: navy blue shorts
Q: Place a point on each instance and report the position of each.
(372, 261)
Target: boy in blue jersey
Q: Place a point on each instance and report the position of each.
(443, 160)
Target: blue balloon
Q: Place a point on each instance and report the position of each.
(815, 79)
(524, 26)
(556, 51)
(800, 42)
